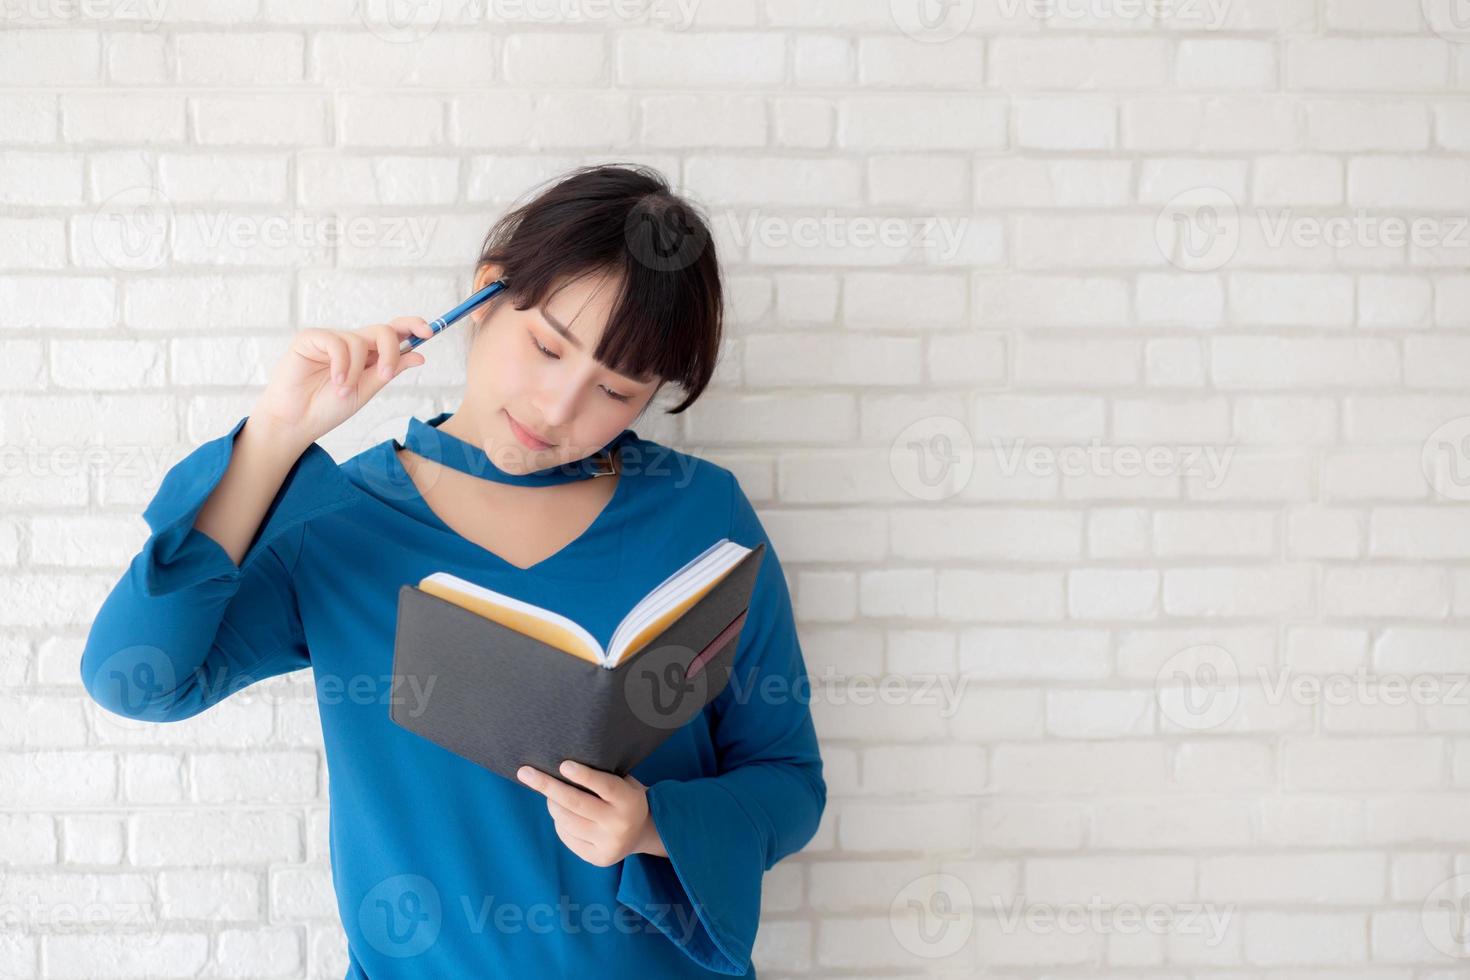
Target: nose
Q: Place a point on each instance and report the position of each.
(558, 406)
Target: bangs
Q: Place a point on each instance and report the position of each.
(666, 318)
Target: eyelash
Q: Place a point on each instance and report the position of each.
(610, 393)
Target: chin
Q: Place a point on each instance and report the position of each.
(510, 456)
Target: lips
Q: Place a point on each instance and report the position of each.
(527, 437)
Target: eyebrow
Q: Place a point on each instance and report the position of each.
(560, 328)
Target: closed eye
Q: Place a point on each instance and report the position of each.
(611, 394)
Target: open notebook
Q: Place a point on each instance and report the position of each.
(502, 692)
(666, 603)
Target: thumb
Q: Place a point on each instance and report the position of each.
(372, 382)
(405, 361)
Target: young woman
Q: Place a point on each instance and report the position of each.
(266, 556)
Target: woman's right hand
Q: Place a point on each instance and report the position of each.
(301, 401)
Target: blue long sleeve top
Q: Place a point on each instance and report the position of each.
(443, 868)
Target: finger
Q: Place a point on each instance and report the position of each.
(417, 325)
(586, 850)
(386, 339)
(403, 326)
(386, 351)
(604, 784)
(575, 824)
(412, 359)
(570, 797)
(337, 355)
(358, 347)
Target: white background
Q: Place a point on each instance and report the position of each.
(1063, 658)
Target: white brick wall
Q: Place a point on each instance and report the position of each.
(1128, 539)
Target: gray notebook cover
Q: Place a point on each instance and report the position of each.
(503, 699)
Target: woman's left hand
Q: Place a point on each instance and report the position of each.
(601, 827)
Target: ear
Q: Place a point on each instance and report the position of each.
(484, 276)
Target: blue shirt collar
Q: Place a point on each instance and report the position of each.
(428, 440)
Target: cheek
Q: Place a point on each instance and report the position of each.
(502, 366)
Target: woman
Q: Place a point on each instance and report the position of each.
(266, 556)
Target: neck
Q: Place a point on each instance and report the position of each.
(459, 426)
(462, 427)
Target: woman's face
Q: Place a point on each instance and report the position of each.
(523, 371)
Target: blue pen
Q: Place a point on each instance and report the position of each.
(410, 343)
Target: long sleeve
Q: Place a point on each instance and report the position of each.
(723, 832)
(185, 627)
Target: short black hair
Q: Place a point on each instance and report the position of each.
(622, 220)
